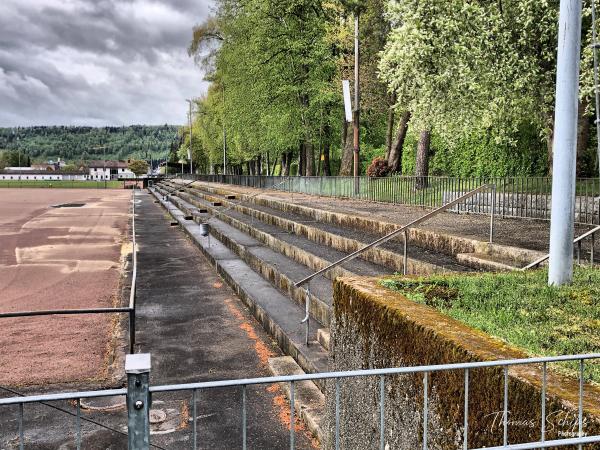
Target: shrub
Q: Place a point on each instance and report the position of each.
(378, 168)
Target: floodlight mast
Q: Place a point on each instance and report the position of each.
(190, 155)
(565, 144)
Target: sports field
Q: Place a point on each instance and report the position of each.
(53, 258)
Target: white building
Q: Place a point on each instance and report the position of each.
(109, 170)
(44, 175)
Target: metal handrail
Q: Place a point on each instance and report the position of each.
(310, 377)
(178, 187)
(394, 233)
(130, 309)
(144, 390)
(233, 205)
(577, 241)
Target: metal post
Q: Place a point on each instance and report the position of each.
(191, 148)
(137, 368)
(356, 105)
(492, 213)
(565, 143)
(104, 166)
(131, 329)
(224, 133)
(405, 259)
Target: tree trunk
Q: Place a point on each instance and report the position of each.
(286, 161)
(395, 155)
(583, 138)
(249, 167)
(258, 165)
(390, 127)
(274, 166)
(309, 153)
(422, 162)
(302, 160)
(347, 166)
(326, 164)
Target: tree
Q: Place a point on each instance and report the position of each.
(138, 167)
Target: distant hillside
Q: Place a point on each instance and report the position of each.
(81, 143)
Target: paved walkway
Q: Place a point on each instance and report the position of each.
(196, 329)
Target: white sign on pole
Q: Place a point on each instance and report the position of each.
(347, 100)
(189, 154)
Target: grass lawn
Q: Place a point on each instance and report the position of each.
(60, 184)
(520, 309)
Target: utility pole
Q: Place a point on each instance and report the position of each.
(356, 102)
(565, 143)
(224, 134)
(190, 152)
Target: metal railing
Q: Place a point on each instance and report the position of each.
(387, 237)
(130, 309)
(139, 393)
(578, 241)
(516, 197)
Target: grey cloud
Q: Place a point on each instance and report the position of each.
(97, 62)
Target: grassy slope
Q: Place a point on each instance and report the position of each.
(519, 308)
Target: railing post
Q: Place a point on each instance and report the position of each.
(492, 213)
(131, 329)
(137, 368)
(405, 257)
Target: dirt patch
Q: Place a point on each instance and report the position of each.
(57, 258)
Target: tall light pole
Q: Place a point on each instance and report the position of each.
(565, 144)
(356, 101)
(224, 134)
(190, 152)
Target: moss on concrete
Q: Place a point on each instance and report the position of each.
(373, 326)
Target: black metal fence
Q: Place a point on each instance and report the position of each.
(520, 197)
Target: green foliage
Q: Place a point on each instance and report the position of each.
(138, 166)
(480, 75)
(85, 143)
(478, 155)
(519, 308)
(11, 158)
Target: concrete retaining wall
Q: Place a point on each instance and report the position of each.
(373, 327)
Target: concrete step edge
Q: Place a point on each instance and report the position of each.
(309, 401)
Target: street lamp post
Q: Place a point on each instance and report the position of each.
(224, 134)
(356, 121)
(190, 120)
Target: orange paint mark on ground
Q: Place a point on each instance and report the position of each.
(283, 406)
(262, 350)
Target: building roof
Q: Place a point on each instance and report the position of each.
(109, 164)
(40, 172)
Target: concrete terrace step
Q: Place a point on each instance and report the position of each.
(296, 247)
(280, 270)
(420, 261)
(277, 313)
(488, 262)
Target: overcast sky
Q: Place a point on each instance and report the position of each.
(97, 62)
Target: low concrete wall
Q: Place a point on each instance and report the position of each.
(373, 327)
